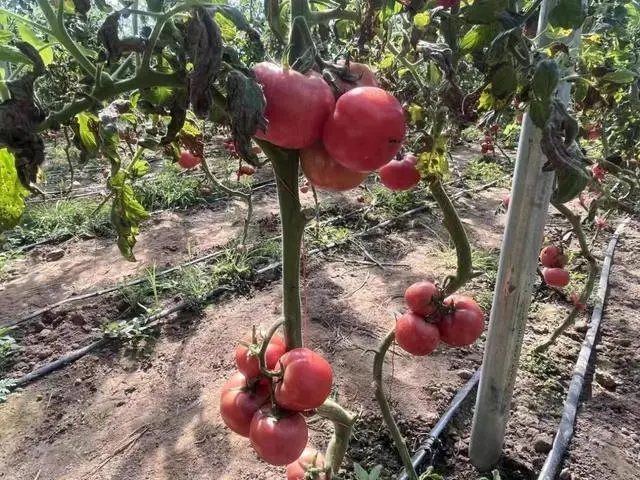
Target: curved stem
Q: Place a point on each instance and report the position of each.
(398, 440)
(234, 193)
(454, 226)
(59, 31)
(343, 422)
(589, 284)
(263, 349)
(285, 165)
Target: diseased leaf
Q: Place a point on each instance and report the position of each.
(87, 129)
(126, 213)
(12, 192)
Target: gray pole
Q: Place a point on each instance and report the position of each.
(527, 216)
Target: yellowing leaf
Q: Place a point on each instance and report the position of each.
(12, 193)
(421, 20)
(387, 61)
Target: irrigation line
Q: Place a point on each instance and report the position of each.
(426, 452)
(155, 319)
(570, 412)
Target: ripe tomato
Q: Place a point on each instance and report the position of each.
(400, 174)
(322, 171)
(188, 160)
(464, 324)
(246, 170)
(556, 277)
(306, 382)
(309, 459)
(506, 200)
(421, 298)
(552, 257)
(246, 358)
(597, 172)
(278, 437)
(415, 335)
(412, 158)
(304, 189)
(366, 129)
(366, 77)
(239, 402)
(297, 105)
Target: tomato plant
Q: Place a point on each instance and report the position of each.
(279, 437)
(306, 380)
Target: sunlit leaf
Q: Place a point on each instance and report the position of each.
(86, 126)
(12, 193)
(421, 20)
(387, 61)
(480, 36)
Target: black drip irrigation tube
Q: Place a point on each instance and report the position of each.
(155, 319)
(567, 423)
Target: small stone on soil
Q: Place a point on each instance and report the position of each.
(54, 255)
(606, 381)
(77, 319)
(44, 333)
(565, 474)
(465, 374)
(542, 444)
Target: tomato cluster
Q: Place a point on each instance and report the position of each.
(343, 135)
(268, 407)
(554, 260)
(456, 320)
(487, 144)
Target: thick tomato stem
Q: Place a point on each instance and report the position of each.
(285, 165)
(343, 421)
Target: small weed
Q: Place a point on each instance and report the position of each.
(486, 172)
(5, 388)
(267, 252)
(541, 366)
(233, 268)
(322, 235)
(487, 262)
(392, 203)
(132, 332)
(59, 219)
(5, 260)
(473, 135)
(169, 189)
(362, 474)
(484, 299)
(8, 346)
(194, 283)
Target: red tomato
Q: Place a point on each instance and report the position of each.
(399, 174)
(310, 459)
(324, 172)
(248, 362)
(246, 170)
(366, 76)
(412, 158)
(415, 335)
(552, 257)
(556, 277)
(188, 160)
(297, 105)
(597, 172)
(506, 200)
(366, 129)
(421, 298)
(239, 402)
(304, 188)
(306, 382)
(278, 437)
(464, 324)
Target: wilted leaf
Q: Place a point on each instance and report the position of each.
(545, 79)
(108, 36)
(178, 112)
(247, 105)
(567, 14)
(434, 161)
(87, 129)
(126, 213)
(82, 6)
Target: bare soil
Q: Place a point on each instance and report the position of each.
(154, 415)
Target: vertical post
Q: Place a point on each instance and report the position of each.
(530, 196)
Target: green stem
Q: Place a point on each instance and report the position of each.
(589, 284)
(145, 65)
(454, 226)
(141, 80)
(246, 197)
(385, 408)
(26, 21)
(300, 8)
(59, 31)
(343, 422)
(263, 349)
(285, 165)
(407, 64)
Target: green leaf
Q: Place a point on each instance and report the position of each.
(545, 79)
(504, 81)
(387, 61)
(486, 101)
(12, 193)
(540, 112)
(421, 20)
(360, 472)
(375, 472)
(26, 34)
(140, 168)
(13, 55)
(620, 76)
(480, 36)
(191, 128)
(567, 14)
(129, 118)
(484, 11)
(86, 125)
(5, 36)
(227, 28)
